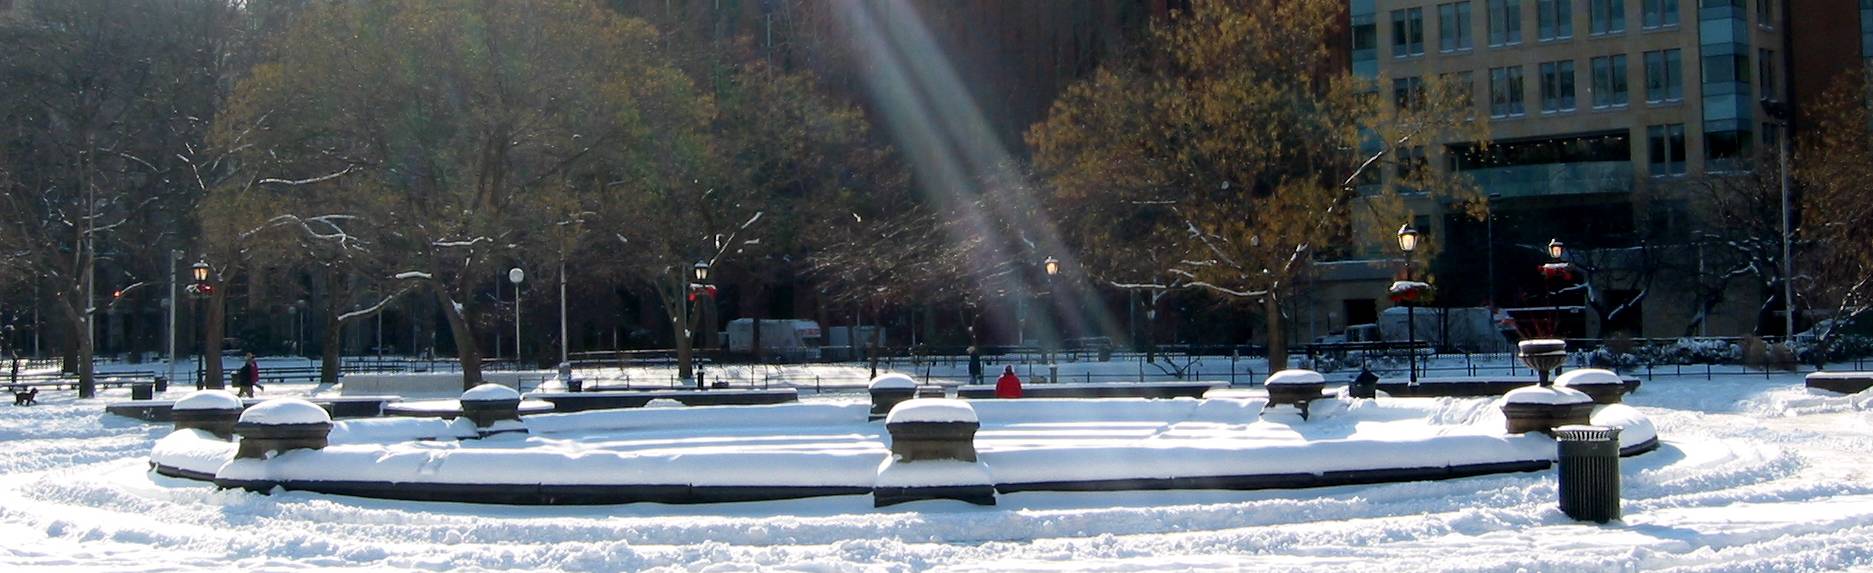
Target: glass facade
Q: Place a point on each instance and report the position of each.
(1729, 105)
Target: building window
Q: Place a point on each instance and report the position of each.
(1408, 32)
(1609, 81)
(1765, 72)
(1408, 93)
(1606, 16)
(1453, 26)
(1727, 68)
(1505, 92)
(1765, 13)
(1505, 22)
(1660, 13)
(1411, 162)
(1554, 19)
(1664, 76)
(1365, 37)
(1557, 86)
(1665, 149)
(1726, 150)
(1462, 86)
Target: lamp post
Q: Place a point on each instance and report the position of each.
(200, 289)
(292, 319)
(1408, 243)
(516, 276)
(1556, 250)
(1779, 111)
(700, 287)
(1052, 267)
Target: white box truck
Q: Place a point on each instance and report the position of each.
(781, 339)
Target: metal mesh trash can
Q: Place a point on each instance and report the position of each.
(1589, 472)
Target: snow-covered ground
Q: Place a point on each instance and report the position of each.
(1756, 474)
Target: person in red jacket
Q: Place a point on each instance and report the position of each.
(1009, 385)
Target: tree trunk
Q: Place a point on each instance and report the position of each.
(78, 346)
(466, 352)
(329, 363)
(871, 346)
(1277, 335)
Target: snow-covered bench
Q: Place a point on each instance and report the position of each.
(1842, 382)
(432, 384)
(1098, 390)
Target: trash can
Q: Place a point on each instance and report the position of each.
(143, 391)
(1589, 472)
(162, 383)
(575, 385)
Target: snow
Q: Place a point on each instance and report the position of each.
(208, 400)
(893, 381)
(930, 410)
(490, 392)
(281, 411)
(1294, 376)
(1403, 286)
(1588, 377)
(193, 450)
(931, 473)
(1839, 375)
(1755, 473)
(1552, 395)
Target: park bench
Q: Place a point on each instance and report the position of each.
(601, 398)
(338, 406)
(1842, 382)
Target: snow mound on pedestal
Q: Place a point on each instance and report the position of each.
(208, 400)
(1552, 395)
(285, 411)
(490, 393)
(1588, 377)
(932, 410)
(893, 381)
(1295, 376)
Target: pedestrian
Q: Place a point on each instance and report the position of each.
(248, 377)
(1009, 385)
(975, 365)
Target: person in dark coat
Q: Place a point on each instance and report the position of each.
(1009, 385)
(248, 378)
(975, 366)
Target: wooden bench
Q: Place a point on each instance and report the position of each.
(1842, 382)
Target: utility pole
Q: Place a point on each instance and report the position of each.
(564, 343)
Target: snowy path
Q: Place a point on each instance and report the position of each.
(1755, 475)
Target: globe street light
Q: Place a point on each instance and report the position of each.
(1408, 243)
(516, 276)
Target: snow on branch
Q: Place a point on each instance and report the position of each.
(414, 276)
(295, 182)
(458, 244)
(373, 309)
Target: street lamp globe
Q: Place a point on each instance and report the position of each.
(515, 275)
(200, 271)
(1556, 249)
(702, 272)
(1052, 265)
(1407, 238)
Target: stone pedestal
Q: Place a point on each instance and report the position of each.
(887, 391)
(1603, 386)
(280, 425)
(495, 409)
(1542, 409)
(214, 411)
(1295, 387)
(933, 455)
